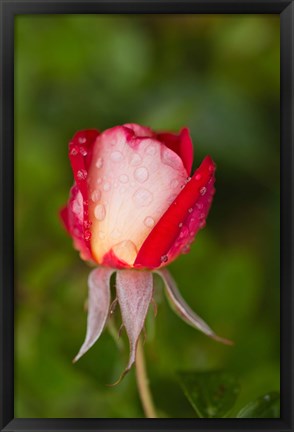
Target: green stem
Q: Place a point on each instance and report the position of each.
(143, 383)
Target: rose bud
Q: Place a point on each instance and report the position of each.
(134, 208)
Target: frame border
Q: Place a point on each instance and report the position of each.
(8, 10)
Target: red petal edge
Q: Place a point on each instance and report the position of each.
(80, 155)
(161, 246)
(181, 144)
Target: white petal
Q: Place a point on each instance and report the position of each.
(98, 306)
(134, 189)
(134, 292)
(179, 305)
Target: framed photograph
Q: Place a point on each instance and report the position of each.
(146, 215)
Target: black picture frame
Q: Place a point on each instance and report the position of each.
(9, 9)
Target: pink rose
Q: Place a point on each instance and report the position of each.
(134, 206)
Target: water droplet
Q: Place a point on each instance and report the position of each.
(150, 150)
(135, 160)
(99, 162)
(77, 206)
(149, 221)
(174, 183)
(95, 195)
(116, 233)
(100, 212)
(116, 156)
(180, 224)
(198, 177)
(82, 174)
(142, 197)
(186, 249)
(164, 258)
(141, 174)
(82, 140)
(101, 235)
(190, 210)
(74, 151)
(87, 224)
(126, 251)
(87, 235)
(123, 178)
(184, 232)
(211, 168)
(202, 215)
(83, 151)
(203, 191)
(188, 179)
(199, 206)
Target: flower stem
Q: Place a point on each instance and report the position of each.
(143, 383)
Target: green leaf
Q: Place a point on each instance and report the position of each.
(267, 406)
(212, 394)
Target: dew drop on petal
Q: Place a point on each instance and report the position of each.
(198, 177)
(188, 179)
(184, 232)
(77, 206)
(199, 206)
(150, 150)
(149, 221)
(116, 156)
(123, 178)
(142, 197)
(82, 174)
(82, 140)
(211, 168)
(190, 210)
(203, 191)
(99, 162)
(141, 174)
(74, 151)
(87, 235)
(83, 151)
(100, 212)
(180, 224)
(164, 258)
(126, 251)
(135, 160)
(95, 195)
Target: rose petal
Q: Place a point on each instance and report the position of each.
(184, 311)
(98, 307)
(140, 131)
(73, 218)
(134, 293)
(181, 144)
(155, 250)
(132, 182)
(80, 155)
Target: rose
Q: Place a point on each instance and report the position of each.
(134, 206)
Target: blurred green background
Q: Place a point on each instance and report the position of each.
(218, 75)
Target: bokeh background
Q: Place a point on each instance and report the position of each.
(218, 75)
